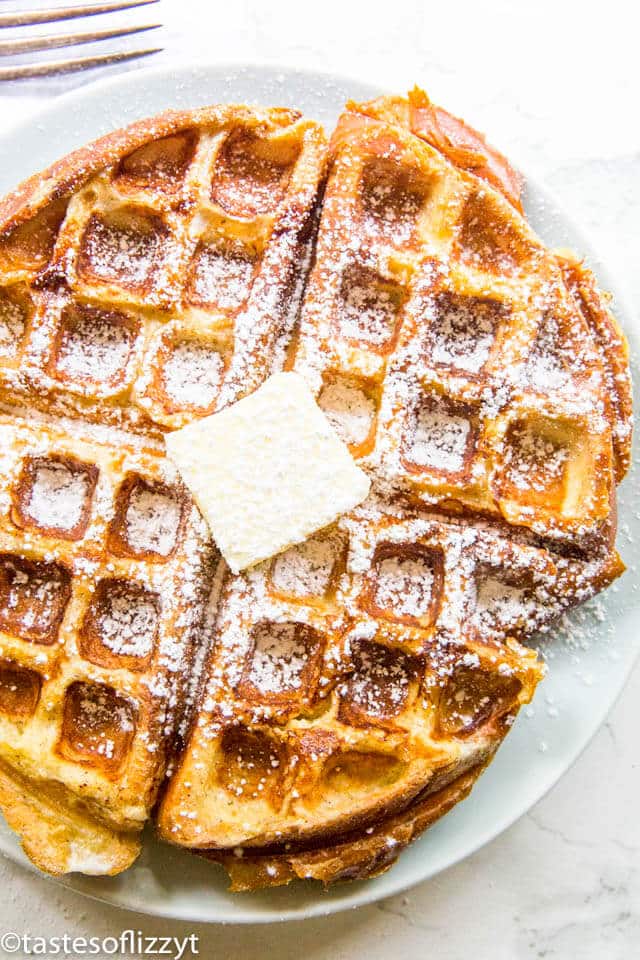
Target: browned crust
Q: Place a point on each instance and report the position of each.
(358, 856)
(613, 349)
(76, 168)
(57, 832)
(460, 143)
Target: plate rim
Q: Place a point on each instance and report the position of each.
(367, 892)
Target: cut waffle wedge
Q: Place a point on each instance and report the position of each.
(317, 712)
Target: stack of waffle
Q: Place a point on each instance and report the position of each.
(320, 710)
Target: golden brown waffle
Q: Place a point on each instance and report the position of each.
(143, 281)
(359, 683)
(103, 567)
(435, 307)
(325, 707)
(156, 274)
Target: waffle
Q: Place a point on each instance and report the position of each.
(444, 315)
(360, 682)
(143, 281)
(155, 275)
(311, 716)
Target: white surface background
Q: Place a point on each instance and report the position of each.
(557, 86)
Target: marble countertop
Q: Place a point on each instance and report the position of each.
(557, 86)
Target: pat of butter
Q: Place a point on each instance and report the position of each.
(268, 471)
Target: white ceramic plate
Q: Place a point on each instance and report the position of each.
(584, 677)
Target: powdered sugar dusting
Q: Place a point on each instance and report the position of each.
(544, 369)
(279, 658)
(33, 598)
(305, 570)
(222, 278)
(389, 210)
(118, 251)
(192, 374)
(95, 348)
(11, 325)
(98, 722)
(380, 684)
(463, 334)
(404, 586)
(439, 439)
(349, 410)
(152, 521)
(128, 624)
(367, 312)
(535, 461)
(504, 604)
(58, 496)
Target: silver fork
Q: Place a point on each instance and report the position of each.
(53, 41)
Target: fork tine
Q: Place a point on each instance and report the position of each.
(51, 41)
(70, 66)
(68, 13)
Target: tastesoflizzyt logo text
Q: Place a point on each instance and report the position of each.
(129, 943)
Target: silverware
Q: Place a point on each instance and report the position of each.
(53, 41)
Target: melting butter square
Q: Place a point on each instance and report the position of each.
(268, 471)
